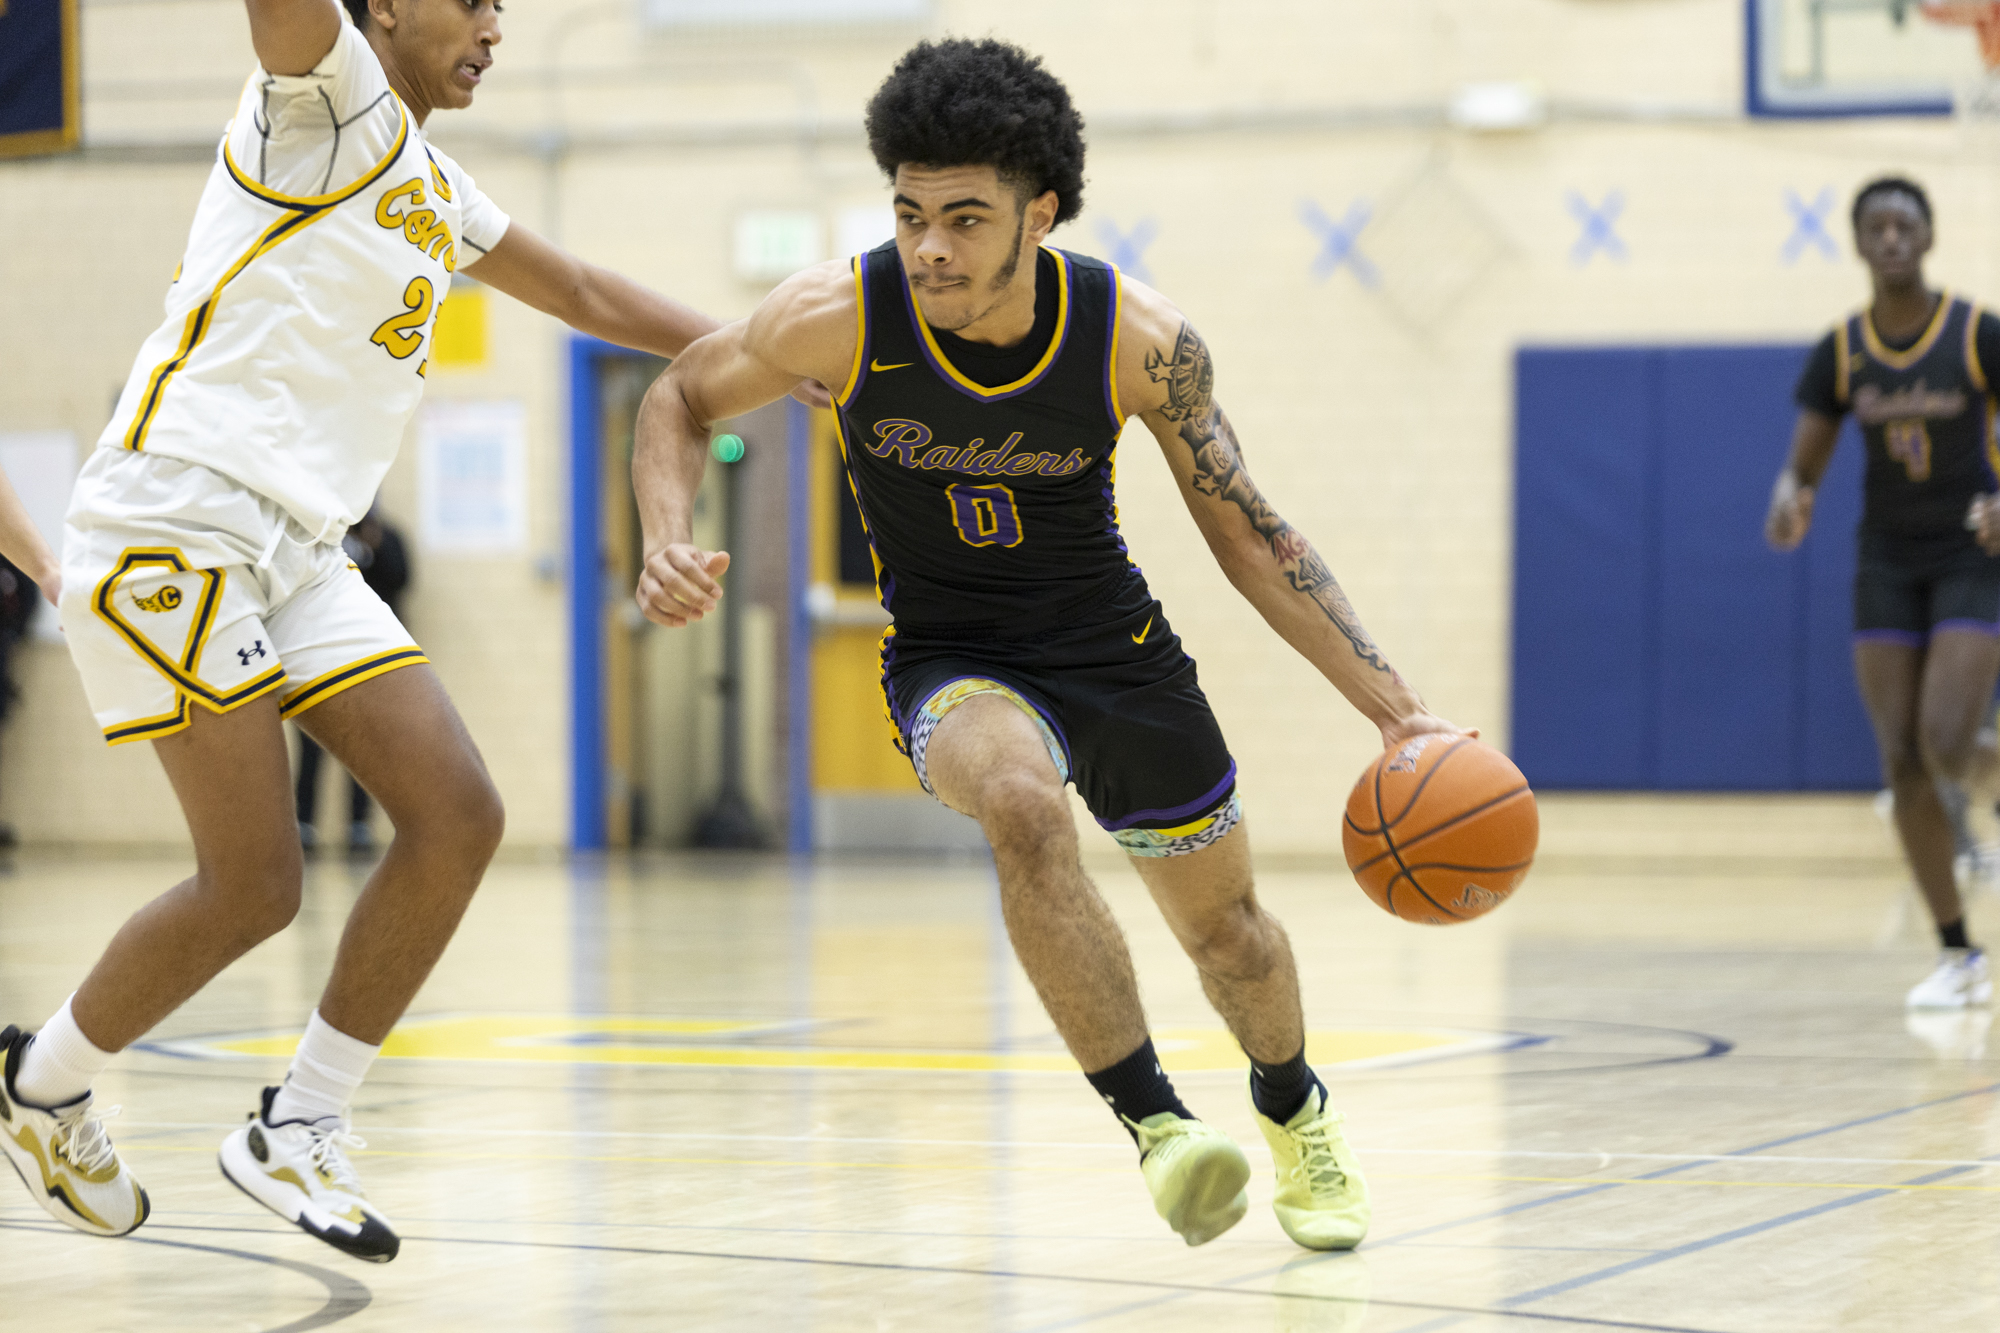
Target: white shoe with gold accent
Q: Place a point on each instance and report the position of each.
(64, 1156)
(299, 1170)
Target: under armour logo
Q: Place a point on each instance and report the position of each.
(254, 650)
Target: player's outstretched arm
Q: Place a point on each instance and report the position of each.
(1790, 515)
(1165, 372)
(21, 542)
(805, 330)
(589, 299)
(292, 36)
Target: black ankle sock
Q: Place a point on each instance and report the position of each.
(1137, 1087)
(1953, 935)
(1280, 1090)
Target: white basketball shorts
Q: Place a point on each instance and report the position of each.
(183, 589)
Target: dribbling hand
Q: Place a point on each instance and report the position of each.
(1982, 519)
(678, 584)
(1421, 723)
(1790, 516)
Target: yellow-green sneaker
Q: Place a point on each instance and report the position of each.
(1322, 1200)
(1196, 1173)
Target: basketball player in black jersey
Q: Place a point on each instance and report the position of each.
(1914, 369)
(981, 382)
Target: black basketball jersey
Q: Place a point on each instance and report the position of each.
(1926, 416)
(990, 510)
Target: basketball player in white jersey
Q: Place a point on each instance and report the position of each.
(206, 597)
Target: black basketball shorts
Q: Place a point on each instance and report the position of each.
(1907, 589)
(1118, 705)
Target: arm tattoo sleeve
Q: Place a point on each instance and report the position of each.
(1189, 377)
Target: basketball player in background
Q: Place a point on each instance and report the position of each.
(22, 543)
(984, 380)
(1915, 368)
(206, 595)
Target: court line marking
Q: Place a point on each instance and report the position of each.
(1121, 1148)
(823, 1163)
(1724, 1238)
(345, 1297)
(953, 1270)
(29, 1211)
(1586, 1189)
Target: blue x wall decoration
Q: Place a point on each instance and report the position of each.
(1338, 241)
(1128, 252)
(1809, 225)
(1600, 227)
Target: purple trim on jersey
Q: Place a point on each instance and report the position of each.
(1986, 627)
(1907, 638)
(896, 713)
(867, 332)
(1106, 473)
(1110, 351)
(1055, 728)
(1986, 406)
(938, 367)
(1200, 805)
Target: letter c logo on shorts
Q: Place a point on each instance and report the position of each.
(166, 599)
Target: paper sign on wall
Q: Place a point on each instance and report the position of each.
(472, 477)
(41, 464)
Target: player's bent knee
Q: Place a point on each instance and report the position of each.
(478, 813)
(470, 819)
(254, 903)
(1904, 763)
(1947, 750)
(456, 809)
(1234, 944)
(1024, 811)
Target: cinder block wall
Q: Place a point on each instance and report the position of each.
(1373, 400)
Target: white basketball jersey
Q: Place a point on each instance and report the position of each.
(299, 323)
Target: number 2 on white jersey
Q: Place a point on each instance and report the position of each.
(393, 334)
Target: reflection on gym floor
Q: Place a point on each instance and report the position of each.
(722, 1093)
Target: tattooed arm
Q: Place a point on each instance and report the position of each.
(1166, 377)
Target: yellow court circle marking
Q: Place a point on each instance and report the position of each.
(746, 1044)
(827, 1163)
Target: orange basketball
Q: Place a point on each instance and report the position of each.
(1440, 829)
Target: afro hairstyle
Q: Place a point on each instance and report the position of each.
(1891, 185)
(962, 103)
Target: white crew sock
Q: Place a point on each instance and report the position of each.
(60, 1064)
(325, 1074)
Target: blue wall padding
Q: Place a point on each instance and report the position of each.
(1839, 747)
(1729, 609)
(1658, 642)
(1583, 655)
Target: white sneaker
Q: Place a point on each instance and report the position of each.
(1960, 980)
(1977, 868)
(299, 1170)
(64, 1156)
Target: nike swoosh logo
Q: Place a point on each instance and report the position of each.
(877, 365)
(1140, 637)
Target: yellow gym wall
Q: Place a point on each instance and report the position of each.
(1377, 419)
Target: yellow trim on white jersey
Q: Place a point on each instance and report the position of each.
(339, 196)
(320, 689)
(201, 317)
